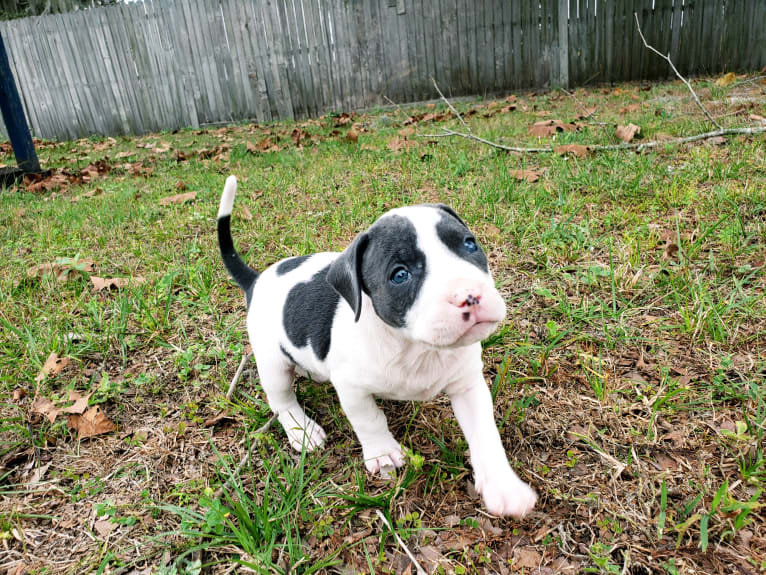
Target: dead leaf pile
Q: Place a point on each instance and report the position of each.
(60, 179)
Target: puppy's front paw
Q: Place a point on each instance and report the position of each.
(383, 457)
(302, 431)
(506, 495)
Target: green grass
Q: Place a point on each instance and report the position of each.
(635, 333)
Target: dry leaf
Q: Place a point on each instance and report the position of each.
(114, 283)
(398, 144)
(586, 113)
(627, 133)
(178, 198)
(244, 213)
(352, 136)
(45, 407)
(18, 394)
(575, 149)
(526, 557)
(545, 128)
(670, 252)
(52, 366)
(92, 422)
(757, 118)
(726, 79)
(528, 175)
(104, 527)
(80, 402)
(62, 269)
(630, 108)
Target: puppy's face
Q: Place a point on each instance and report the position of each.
(425, 274)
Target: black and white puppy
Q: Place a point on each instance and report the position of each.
(399, 314)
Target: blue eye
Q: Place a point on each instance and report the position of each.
(470, 245)
(400, 276)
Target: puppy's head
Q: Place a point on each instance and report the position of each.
(425, 275)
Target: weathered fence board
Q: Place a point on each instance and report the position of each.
(164, 64)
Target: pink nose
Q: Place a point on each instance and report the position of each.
(464, 293)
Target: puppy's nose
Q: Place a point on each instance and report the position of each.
(464, 294)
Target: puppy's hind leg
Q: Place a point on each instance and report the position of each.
(277, 382)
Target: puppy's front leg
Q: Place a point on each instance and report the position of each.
(504, 493)
(381, 451)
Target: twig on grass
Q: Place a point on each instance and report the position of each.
(237, 375)
(419, 569)
(749, 131)
(245, 458)
(677, 73)
(451, 107)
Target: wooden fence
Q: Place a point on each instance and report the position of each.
(164, 64)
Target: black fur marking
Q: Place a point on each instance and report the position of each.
(290, 264)
(287, 354)
(242, 273)
(453, 233)
(392, 242)
(309, 312)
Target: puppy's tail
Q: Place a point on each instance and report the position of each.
(242, 273)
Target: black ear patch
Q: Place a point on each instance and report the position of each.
(345, 273)
(450, 211)
(309, 312)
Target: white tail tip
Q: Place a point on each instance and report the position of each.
(227, 198)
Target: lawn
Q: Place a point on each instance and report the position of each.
(628, 376)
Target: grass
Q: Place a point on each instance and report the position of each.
(628, 378)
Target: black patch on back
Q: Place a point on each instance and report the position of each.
(290, 264)
(453, 233)
(308, 313)
(392, 242)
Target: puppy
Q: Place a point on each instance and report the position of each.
(399, 314)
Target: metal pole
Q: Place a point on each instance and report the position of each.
(14, 118)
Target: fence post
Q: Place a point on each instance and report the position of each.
(14, 118)
(563, 79)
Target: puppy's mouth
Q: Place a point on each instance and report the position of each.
(476, 332)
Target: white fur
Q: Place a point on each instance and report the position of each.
(369, 358)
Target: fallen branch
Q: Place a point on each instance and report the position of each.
(638, 146)
(677, 73)
(749, 131)
(245, 458)
(237, 375)
(419, 569)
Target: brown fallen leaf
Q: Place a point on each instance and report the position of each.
(52, 366)
(104, 527)
(62, 269)
(45, 407)
(526, 557)
(18, 394)
(586, 113)
(114, 283)
(216, 419)
(627, 133)
(630, 108)
(527, 175)
(575, 149)
(726, 80)
(178, 198)
(352, 135)
(244, 213)
(80, 402)
(670, 252)
(757, 118)
(546, 128)
(398, 144)
(92, 422)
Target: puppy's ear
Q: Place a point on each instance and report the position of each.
(345, 273)
(450, 211)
